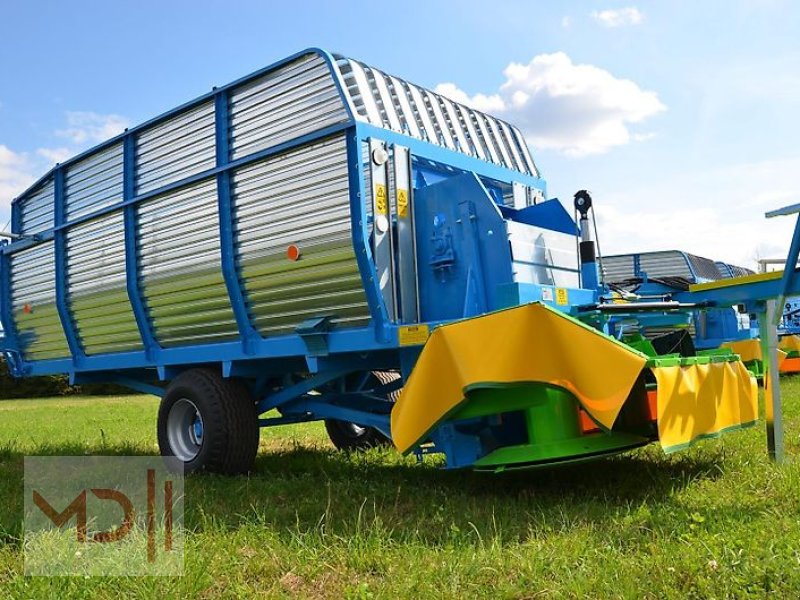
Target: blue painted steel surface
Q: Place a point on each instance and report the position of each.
(462, 248)
(359, 228)
(131, 255)
(788, 279)
(8, 342)
(230, 270)
(549, 214)
(60, 252)
(457, 160)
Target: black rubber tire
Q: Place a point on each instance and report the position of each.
(351, 437)
(230, 421)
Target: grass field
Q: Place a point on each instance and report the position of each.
(716, 521)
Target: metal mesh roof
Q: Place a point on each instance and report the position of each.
(392, 103)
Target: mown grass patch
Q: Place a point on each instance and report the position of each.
(718, 520)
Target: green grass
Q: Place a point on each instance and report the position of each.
(718, 520)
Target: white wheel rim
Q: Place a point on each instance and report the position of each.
(185, 430)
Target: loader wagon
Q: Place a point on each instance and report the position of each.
(320, 240)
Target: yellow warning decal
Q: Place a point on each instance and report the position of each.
(381, 207)
(402, 203)
(562, 297)
(413, 335)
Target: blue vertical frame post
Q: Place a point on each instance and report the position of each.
(227, 235)
(60, 251)
(16, 217)
(358, 225)
(131, 256)
(11, 342)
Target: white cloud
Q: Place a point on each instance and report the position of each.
(16, 174)
(566, 22)
(493, 103)
(18, 170)
(576, 109)
(56, 155)
(619, 17)
(720, 214)
(90, 127)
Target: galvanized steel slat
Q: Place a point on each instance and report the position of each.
(422, 112)
(365, 94)
(97, 285)
(386, 100)
(38, 209)
(163, 228)
(33, 303)
(476, 144)
(404, 107)
(434, 117)
(298, 198)
(94, 183)
(175, 149)
(297, 99)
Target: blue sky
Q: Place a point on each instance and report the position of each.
(681, 117)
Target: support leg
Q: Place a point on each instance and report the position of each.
(772, 391)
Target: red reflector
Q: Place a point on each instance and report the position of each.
(652, 404)
(293, 252)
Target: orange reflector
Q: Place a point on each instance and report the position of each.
(790, 365)
(293, 252)
(652, 404)
(587, 425)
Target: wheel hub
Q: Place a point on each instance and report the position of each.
(185, 430)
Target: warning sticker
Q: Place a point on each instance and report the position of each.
(413, 335)
(402, 203)
(381, 206)
(547, 294)
(561, 296)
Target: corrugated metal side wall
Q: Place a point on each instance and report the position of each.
(175, 149)
(299, 98)
(33, 303)
(94, 183)
(37, 209)
(96, 286)
(298, 198)
(181, 273)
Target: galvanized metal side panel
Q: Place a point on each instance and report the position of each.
(617, 269)
(33, 303)
(96, 286)
(298, 198)
(94, 183)
(181, 267)
(38, 209)
(392, 103)
(542, 256)
(297, 99)
(175, 149)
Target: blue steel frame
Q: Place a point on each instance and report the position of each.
(381, 336)
(60, 251)
(149, 343)
(230, 270)
(8, 343)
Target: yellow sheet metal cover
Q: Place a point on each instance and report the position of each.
(789, 343)
(529, 343)
(750, 349)
(703, 401)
